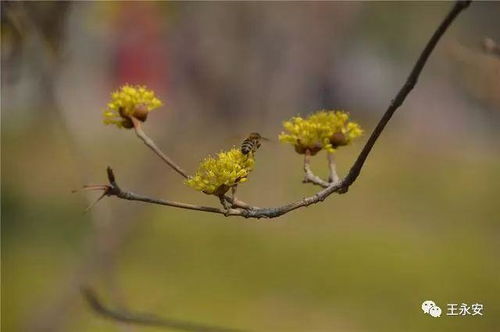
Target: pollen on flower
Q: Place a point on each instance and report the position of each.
(324, 129)
(130, 100)
(216, 175)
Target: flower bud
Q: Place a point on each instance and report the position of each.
(141, 112)
(130, 101)
(338, 139)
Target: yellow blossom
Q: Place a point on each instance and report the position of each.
(130, 101)
(322, 130)
(216, 175)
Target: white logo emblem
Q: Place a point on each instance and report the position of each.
(435, 311)
(429, 307)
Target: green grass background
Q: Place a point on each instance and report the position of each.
(420, 223)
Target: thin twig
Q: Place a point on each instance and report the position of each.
(309, 176)
(144, 318)
(237, 203)
(333, 177)
(151, 144)
(233, 192)
(114, 190)
(329, 188)
(403, 92)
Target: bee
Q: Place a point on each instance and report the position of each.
(252, 143)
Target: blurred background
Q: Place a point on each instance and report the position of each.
(421, 223)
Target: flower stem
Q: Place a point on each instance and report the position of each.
(151, 144)
(333, 177)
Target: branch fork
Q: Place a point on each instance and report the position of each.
(310, 177)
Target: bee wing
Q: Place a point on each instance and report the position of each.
(242, 137)
(266, 139)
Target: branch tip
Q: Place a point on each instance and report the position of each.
(111, 175)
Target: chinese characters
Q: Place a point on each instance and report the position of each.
(464, 309)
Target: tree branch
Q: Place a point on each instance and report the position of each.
(143, 318)
(403, 92)
(114, 190)
(329, 187)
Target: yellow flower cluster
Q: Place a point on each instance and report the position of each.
(322, 130)
(130, 100)
(217, 175)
